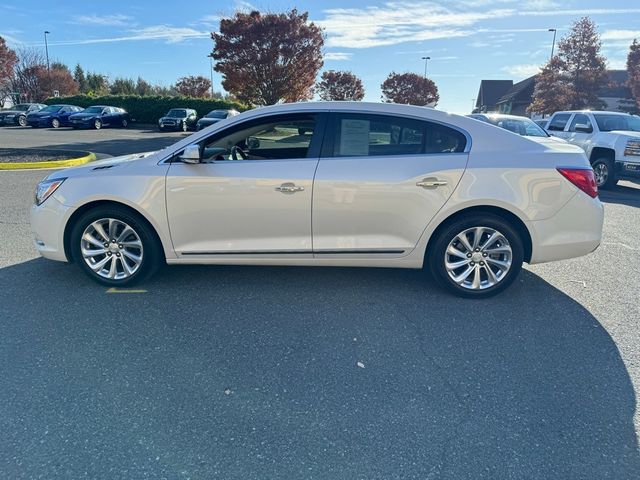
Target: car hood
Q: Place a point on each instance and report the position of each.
(209, 120)
(100, 165)
(628, 133)
(547, 140)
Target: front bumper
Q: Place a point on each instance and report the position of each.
(574, 231)
(626, 169)
(47, 224)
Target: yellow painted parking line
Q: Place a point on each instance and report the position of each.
(71, 162)
(125, 290)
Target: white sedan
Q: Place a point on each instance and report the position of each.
(328, 184)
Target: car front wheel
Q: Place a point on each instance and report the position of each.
(604, 173)
(55, 123)
(476, 256)
(97, 124)
(22, 121)
(183, 127)
(115, 247)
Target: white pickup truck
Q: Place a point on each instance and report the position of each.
(611, 141)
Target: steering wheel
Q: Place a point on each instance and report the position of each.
(238, 152)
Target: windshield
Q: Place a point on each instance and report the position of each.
(93, 110)
(177, 113)
(607, 123)
(521, 126)
(51, 108)
(217, 114)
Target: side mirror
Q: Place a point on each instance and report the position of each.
(191, 154)
(583, 128)
(253, 143)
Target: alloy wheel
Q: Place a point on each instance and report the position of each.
(55, 123)
(478, 258)
(601, 172)
(111, 248)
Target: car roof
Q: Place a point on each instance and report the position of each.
(593, 111)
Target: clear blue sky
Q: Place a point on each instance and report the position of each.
(467, 40)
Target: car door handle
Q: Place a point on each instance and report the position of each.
(289, 188)
(431, 182)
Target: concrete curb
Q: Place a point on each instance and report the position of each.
(71, 162)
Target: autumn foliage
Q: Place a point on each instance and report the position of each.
(270, 58)
(571, 79)
(409, 88)
(340, 86)
(197, 87)
(633, 69)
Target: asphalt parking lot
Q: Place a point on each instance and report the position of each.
(252, 373)
(105, 142)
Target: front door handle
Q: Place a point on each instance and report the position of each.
(289, 188)
(431, 182)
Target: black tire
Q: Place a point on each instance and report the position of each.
(605, 173)
(151, 254)
(97, 124)
(436, 255)
(22, 121)
(55, 123)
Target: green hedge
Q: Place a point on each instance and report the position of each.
(147, 109)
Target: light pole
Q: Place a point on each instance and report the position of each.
(211, 72)
(46, 47)
(426, 59)
(554, 40)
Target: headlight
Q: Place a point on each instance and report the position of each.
(46, 188)
(632, 148)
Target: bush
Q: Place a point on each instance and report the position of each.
(148, 109)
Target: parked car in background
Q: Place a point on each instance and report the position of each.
(328, 183)
(52, 116)
(521, 125)
(214, 116)
(542, 123)
(611, 141)
(179, 119)
(99, 116)
(17, 115)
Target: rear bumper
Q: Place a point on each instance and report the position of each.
(47, 224)
(625, 169)
(574, 231)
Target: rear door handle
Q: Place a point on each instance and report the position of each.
(431, 182)
(289, 188)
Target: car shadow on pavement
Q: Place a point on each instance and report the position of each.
(626, 193)
(274, 372)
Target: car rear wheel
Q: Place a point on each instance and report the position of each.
(115, 247)
(55, 123)
(605, 174)
(97, 124)
(476, 256)
(22, 121)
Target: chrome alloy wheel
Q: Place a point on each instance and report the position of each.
(478, 258)
(601, 172)
(111, 248)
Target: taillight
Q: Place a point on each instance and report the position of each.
(583, 178)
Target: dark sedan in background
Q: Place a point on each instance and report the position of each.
(52, 116)
(215, 116)
(17, 115)
(178, 119)
(99, 116)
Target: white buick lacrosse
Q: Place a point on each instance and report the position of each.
(328, 184)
